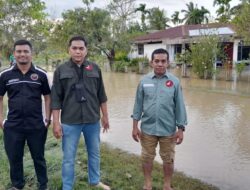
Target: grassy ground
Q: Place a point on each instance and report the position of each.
(119, 169)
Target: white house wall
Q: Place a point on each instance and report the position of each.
(149, 48)
(170, 49)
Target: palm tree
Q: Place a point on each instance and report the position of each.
(144, 11)
(224, 11)
(157, 19)
(194, 15)
(175, 17)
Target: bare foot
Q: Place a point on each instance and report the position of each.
(102, 186)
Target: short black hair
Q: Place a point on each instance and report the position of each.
(22, 42)
(77, 38)
(160, 51)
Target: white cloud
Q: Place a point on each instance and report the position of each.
(56, 7)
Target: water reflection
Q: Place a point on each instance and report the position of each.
(216, 147)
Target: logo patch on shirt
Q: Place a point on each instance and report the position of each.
(12, 81)
(34, 76)
(89, 68)
(169, 83)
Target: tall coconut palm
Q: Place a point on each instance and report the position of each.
(175, 18)
(144, 12)
(157, 19)
(224, 11)
(194, 15)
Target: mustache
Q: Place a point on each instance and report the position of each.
(23, 63)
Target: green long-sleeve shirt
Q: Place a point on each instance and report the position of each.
(159, 105)
(63, 93)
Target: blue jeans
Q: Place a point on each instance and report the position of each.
(70, 140)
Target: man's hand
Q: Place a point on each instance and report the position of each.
(179, 136)
(136, 134)
(57, 130)
(47, 122)
(105, 123)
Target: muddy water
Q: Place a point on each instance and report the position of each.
(216, 148)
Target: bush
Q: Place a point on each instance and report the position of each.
(120, 66)
(121, 56)
(203, 54)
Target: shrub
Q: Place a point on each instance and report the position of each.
(203, 54)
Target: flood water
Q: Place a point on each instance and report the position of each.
(216, 148)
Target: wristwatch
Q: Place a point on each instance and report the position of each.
(182, 128)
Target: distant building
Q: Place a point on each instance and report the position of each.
(177, 39)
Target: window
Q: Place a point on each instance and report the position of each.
(140, 49)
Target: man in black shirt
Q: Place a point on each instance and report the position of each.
(25, 84)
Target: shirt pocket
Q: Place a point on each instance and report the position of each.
(65, 76)
(92, 74)
(67, 80)
(149, 92)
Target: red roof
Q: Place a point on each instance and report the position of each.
(177, 32)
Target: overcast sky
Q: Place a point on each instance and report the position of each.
(56, 7)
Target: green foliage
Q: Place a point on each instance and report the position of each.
(93, 24)
(203, 54)
(194, 15)
(184, 57)
(50, 57)
(119, 169)
(157, 19)
(134, 63)
(224, 12)
(120, 66)
(144, 12)
(121, 56)
(22, 19)
(242, 21)
(175, 18)
(121, 62)
(122, 12)
(240, 67)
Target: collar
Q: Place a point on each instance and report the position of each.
(152, 75)
(32, 68)
(72, 64)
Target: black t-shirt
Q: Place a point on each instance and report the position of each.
(24, 93)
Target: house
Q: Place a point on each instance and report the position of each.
(177, 39)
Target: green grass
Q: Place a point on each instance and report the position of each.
(120, 170)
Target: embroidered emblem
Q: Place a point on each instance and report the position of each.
(13, 81)
(89, 68)
(34, 76)
(169, 83)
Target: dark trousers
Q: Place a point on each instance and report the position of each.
(14, 141)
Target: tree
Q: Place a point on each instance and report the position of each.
(224, 12)
(194, 15)
(22, 19)
(88, 2)
(93, 24)
(242, 21)
(175, 18)
(122, 10)
(144, 12)
(157, 19)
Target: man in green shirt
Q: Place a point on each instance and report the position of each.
(78, 95)
(160, 107)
